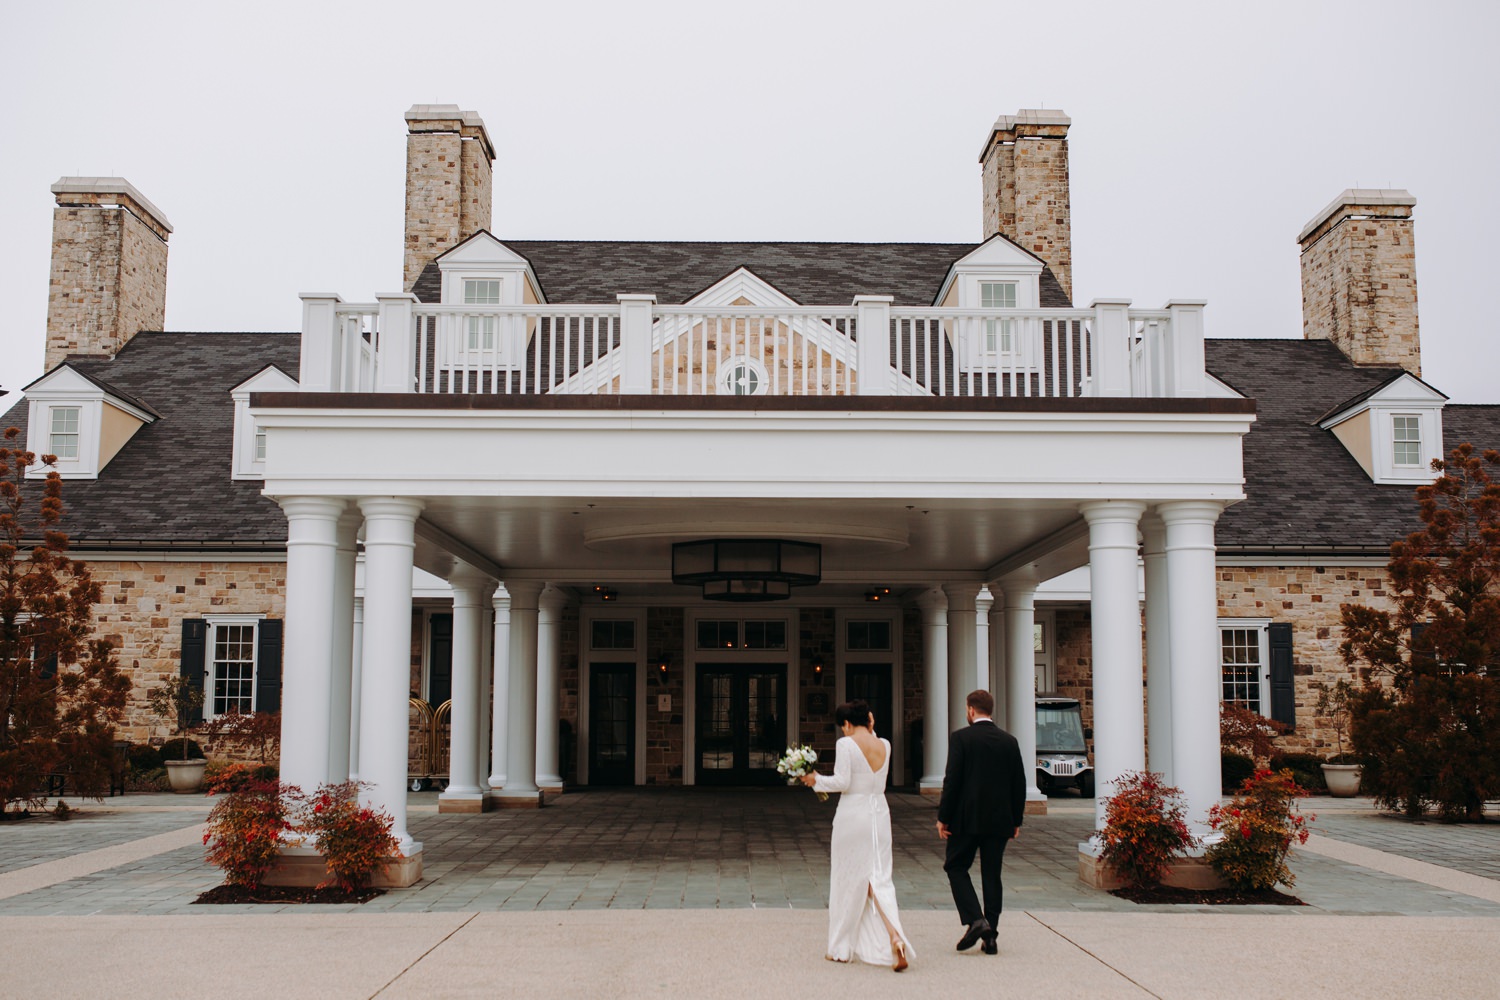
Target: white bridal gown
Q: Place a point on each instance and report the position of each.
(861, 859)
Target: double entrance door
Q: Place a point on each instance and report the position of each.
(741, 723)
(612, 723)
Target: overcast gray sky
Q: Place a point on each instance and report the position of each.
(1204, 136)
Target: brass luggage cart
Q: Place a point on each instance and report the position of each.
(428, 737)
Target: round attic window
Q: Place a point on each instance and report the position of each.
(743, 376)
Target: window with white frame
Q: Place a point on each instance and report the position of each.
(1406, 438)
(62, 436)
(481, 329)
(231, 665)
(1244, 664)
(260, 445)
(998, 333)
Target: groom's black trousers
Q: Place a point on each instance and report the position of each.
(961, 851)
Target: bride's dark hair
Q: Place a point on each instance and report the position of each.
(856, 712)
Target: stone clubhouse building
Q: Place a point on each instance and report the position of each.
(640, 513)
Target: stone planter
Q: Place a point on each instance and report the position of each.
(1342, 779)
(185, 775)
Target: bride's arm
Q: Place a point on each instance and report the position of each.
(843, 768)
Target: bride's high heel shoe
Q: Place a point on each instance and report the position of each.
(898, 951)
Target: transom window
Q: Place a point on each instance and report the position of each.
(1241, 664)
(998, 333)
(724, 634)
(1406, 433)
(481, 329)
(62, 441)
(612, 633)
(232, 667)
(868, 636)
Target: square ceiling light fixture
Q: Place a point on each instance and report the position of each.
(746, 570)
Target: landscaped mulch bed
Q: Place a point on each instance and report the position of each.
(1214, 897)
(285, 894)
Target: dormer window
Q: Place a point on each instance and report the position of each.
(481, 329)
(251, 445)
(1393, 430)
(998, 333)
(82, 420)
(62, 440)
(1406, 437)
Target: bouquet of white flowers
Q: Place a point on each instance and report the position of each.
(795, 763)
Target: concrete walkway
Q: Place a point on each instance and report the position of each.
(692, 893)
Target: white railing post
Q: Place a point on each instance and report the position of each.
(1185, 363)
(873, 354)
(319, 370)
(1110, 351)
(394, 344)
(635, 343)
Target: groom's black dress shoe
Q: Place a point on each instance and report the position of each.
(989, 947)
(979, 929)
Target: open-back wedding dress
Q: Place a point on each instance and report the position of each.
(861, 862)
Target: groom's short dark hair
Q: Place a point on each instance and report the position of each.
(982, 702)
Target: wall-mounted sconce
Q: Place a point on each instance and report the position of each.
(817, 669)
(875, 594)
(661, 670)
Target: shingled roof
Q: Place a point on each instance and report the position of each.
(574, 271)
(170, 485)
(1305, 492)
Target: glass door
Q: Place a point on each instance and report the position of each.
(611, 724)
(741, 727)
(871, 683)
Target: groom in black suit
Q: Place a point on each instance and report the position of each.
(983, 805)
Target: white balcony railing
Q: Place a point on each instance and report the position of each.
(635, 346)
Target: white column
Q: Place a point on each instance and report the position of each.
(962, 656)
(874, 344)
(1158, 649)
(998, 680)
(934, 605)
(1119, 718)
(319, 362)
(635, 343)
(390, 540)
(520, 743)
(499, 709)
(486, 685)
(983, 654)
(396, 346)
(1020, 659)
(1111, 348)
(356, 685)
(306, 682)
(341, 679)
(548, 651)
(463, 744)
(1192, 626)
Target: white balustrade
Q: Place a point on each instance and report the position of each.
(636, 346)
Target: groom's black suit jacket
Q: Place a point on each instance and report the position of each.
(984, 788)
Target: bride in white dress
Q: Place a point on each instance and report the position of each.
(863, 921)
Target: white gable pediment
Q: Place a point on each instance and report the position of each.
(997, 251)
(64, 379)
(996, 259)
(268, 379)
(481, 248)
(744, 286)
(1407, 388)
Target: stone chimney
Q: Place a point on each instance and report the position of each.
(1024, 165)
(109, 267)
(1359, 278)
(448, 183)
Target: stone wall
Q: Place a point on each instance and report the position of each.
(785, 354)
(1359, 286)
(109, 275)
(142, 610)
(664, 730)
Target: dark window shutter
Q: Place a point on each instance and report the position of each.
(1283, 704)
(268, 666)
(48, 668)
(194, 659)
